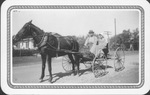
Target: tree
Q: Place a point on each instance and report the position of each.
(136, 39)
(81, 41)
(126, 38)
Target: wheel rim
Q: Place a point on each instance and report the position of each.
(119, 59)
(66, 63)
(99, 66)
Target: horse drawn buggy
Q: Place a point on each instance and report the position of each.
(98, 63)
(54, 45)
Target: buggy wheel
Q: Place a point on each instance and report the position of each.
(66, 64)
(99, 65)
(119, 59)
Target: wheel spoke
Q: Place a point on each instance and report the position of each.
(99, 65)
(66, 59)
(66, 63)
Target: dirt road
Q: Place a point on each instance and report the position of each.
(30, 73)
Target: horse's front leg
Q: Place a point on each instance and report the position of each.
(50, 68)
(43, 57)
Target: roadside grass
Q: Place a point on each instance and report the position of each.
(30, 60)
(127, 52)
(131, 52)
(26, 60)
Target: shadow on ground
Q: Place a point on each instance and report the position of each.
(64, 74)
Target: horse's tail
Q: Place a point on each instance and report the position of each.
(75, 45)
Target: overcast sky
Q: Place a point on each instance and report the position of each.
(76, 21)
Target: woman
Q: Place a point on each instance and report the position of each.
(99, 45)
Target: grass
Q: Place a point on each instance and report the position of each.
(31, 60)
(127, 52)
(131, 52)
(24, 60)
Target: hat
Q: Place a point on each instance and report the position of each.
(91, 32)
(100, 34)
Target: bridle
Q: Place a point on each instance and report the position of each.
(42, 39)
(36, 36)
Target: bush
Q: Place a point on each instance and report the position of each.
(30, 52)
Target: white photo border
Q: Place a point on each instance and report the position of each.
(9, 56)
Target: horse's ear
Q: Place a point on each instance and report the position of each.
(30, 21)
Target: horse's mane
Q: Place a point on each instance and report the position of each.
(37, 28)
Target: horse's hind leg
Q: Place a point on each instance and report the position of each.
(43, 56)
(73, 63)
(77, 63)
(50, 68)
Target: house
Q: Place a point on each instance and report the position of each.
(27, 43)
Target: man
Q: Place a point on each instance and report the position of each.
(91, 39)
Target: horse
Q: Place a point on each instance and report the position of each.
(50, 45)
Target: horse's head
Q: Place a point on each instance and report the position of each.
(23, 33)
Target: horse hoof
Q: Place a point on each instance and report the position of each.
(41, 80)
(50, 80)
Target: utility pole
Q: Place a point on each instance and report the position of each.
(115, 25)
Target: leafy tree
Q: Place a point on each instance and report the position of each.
(136, 39)
(126, 38)
(81, 41)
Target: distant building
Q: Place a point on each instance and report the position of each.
(27, 43)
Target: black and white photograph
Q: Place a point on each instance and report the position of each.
(75, 47)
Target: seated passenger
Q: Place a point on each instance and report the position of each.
(99, 46)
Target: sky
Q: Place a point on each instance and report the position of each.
(76, 22)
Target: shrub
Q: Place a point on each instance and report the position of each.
(22, 52)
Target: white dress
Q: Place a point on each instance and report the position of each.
(97, 48)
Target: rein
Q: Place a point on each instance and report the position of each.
(36, 36)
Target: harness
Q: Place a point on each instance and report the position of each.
(45, 38)
(43, 41)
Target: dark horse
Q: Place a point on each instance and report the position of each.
(50, 45)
